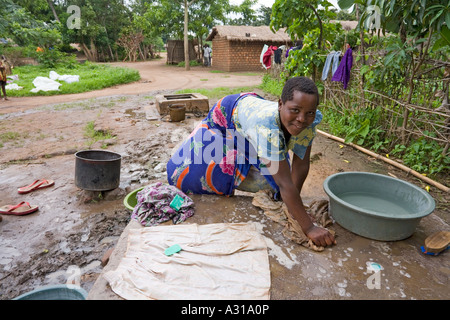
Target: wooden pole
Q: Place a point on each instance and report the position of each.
(389, 161)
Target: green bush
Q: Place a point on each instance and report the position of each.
(53, 57)
(192, 63)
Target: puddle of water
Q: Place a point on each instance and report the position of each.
(133, 113)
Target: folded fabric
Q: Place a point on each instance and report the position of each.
(277, 211)
(223, 261)
(154, 205)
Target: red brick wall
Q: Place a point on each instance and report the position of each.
(220, 54)
(237, 55)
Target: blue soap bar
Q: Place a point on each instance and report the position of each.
(172, 249)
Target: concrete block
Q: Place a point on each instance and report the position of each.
(194, 102)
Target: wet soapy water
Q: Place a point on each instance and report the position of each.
(373, 202)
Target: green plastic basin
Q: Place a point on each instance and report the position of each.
(376, 206)
(130, 200)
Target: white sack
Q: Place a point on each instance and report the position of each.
(45, 84)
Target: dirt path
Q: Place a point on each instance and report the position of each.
(155, 75)
(74, 228)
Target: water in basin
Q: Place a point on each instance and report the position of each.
(372, 202)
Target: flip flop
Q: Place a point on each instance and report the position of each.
(38, 184)
(19, 209)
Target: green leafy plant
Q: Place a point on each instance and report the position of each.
(423, 155)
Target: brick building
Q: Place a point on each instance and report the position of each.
(238, 48)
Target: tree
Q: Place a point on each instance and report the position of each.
(52, 7)
(130, 40)
(18, 24)
(300, 17)
(169, 17)
(186, 40)
(247, 16)
(264, 16)
(415, 21)
(101, 23)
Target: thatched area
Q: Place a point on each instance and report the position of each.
(249, 33)
(238, 48)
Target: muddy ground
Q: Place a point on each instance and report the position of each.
(73, 228)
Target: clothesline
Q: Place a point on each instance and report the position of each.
(355, 54)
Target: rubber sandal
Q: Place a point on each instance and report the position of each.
(38, 184)
(436, 243)
(19, 209)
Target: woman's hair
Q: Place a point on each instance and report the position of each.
(302, 84)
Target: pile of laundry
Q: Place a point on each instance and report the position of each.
(50, 83)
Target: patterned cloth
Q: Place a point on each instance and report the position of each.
(238, 131)
(259, 122)
(153, 205)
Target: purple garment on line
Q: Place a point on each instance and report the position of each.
(342, 73)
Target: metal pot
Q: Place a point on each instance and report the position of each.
(177, 112)
(97, 170)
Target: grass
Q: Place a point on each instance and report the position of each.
(94, 135)
(92, 77)
(217, 93)
(9, 136)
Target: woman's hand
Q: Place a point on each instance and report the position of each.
(320, 236)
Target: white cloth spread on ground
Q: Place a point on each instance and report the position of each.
(66, 77)
(13, 86)
(217, 262)
(45, 84)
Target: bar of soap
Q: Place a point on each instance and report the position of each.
(172, 249)
(176, 202)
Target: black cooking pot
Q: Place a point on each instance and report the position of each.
(97, 170)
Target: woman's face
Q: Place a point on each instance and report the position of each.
(297, 114)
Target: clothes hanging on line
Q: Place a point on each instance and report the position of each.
(299, 47)
(268, 55)
(264, 50)
(277, 56)
(342, 73)
(332, 56)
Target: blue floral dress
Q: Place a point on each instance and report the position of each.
(237, 133)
